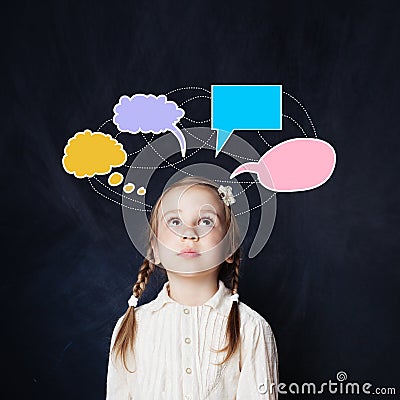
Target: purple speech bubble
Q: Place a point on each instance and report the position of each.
(294, 165)
(149, 113)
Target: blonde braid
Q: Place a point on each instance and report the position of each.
(235, 272)
(145, 271)
(125, 339)
(232, 334)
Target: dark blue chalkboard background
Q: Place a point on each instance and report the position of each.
(328, 279)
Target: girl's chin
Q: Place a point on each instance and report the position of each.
(189, 271)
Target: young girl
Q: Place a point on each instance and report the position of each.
(195, 340)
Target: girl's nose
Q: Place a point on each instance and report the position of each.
(190, 233)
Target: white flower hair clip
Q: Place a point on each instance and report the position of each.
(132, 302)
(225, 192)
(235, 297)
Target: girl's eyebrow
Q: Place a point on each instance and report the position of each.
(208, 210)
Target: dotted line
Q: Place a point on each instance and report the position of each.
(244, 190)
(193, 120)
(148, 143)
(114, 201)
(186, 157)
(172, 165)
(140, 209)
(169, 164)
(259, 134)
(166, 166)
(188, 88)
(194, 98)
(201, 140)
(222, 151)
(197, 122)
(257, 206)
(187, 173)
(119, 194)
(109, 120)
(195, 137)
(138, 151)
(301, 105)
(237, 155)
(238, 182)
(294, 121)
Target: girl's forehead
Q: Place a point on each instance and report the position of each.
(192, 197)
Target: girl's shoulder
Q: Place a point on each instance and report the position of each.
(248, 312)
(251, 318)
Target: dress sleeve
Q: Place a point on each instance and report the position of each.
(117, 384)
(259, 375)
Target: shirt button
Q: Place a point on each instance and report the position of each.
(188, 371)
(187, 340)
(186, 311)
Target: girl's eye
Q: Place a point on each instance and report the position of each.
(174, 222)
(206, 221)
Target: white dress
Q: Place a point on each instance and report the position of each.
(173, 360)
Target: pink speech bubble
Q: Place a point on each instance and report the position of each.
(294, 165)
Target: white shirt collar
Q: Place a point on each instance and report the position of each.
(220, 301)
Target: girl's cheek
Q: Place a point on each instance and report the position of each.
(165, 233)
(217, 234)
(168, 240)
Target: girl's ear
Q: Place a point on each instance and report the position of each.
(156, 256)
(229, 260)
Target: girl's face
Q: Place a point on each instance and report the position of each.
(191, 234)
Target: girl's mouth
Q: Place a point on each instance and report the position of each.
(188, 253)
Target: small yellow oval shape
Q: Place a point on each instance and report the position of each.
(115, 179)
(141, 191)
(129, 188)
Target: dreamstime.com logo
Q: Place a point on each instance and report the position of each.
(339, 387)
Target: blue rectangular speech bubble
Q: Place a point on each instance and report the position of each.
(246, 107)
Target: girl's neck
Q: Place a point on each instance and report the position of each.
(190, 290)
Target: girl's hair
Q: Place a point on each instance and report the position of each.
(228, 273)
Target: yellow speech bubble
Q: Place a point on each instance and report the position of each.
(129, 188)
(92, 153)
(141, 191)
(115, 179)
